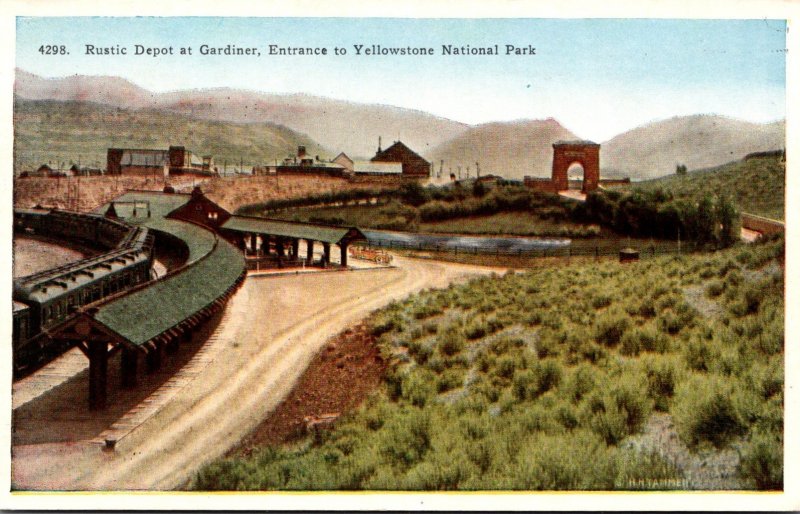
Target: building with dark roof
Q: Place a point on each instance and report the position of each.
(177, 160)
(413, 165)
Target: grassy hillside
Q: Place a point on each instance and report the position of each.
(345, 126)
(51, 131)
(756, 185)
(699, 141)
(660, 374)
(509, 149)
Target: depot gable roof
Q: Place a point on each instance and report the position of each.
(293, 229)
(160, 204)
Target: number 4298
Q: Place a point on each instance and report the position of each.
(53, 50)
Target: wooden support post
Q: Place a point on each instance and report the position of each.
(326, 255)
(279, 247)
(295, 248)
(309, 251)
(98, 374)
(128, 363)
(154, 359)
(173, 345)
(343, 254)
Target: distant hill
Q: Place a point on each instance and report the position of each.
(51, 131)
(757, 185)
(82, 88)
(700, 141)
(510, 149)
(339, 125)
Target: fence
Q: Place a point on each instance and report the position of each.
(581, 249)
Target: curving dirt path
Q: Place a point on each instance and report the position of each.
(275, 327)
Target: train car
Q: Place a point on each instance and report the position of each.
(48, 298)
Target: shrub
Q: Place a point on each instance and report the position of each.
(669, 323)
(699, 355)
(662, 377)
(647, 308)
(420, 351)
(620, 411)
(476, 329)
(417, 388)
(715, 288)
(550, 342)
(548, 376)
(704, 412)
(506, 366)
(610, 327)
(762, 461)
(450, 379)
(543, 463)
(451, 341)
(581, 382)
(601, 300)
(407, 437)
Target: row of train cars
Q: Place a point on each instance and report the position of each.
(46, 299)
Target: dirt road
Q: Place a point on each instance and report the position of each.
(33, 255)
(275, 326)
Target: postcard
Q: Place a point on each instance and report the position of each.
(303, 257)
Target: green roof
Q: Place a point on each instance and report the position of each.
(161, 204)
(322, 233)
(199, 240)
(212, 267)
(148, 312)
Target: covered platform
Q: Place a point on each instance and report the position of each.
(145, 321)
(153, 318)
(280, 240)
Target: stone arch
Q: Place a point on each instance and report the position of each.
(585, 153)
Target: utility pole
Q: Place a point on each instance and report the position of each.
(478, 169)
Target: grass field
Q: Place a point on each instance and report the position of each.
(397, 216)
(542, 380)
(756, 185)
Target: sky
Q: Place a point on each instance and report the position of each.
(598, 77)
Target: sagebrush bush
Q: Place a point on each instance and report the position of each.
(715, 288)
(621, 410)
(704, 411)
(451, 341)
(663, 374)
(580, 383)
(762, 461)
(699, 355)
(610, 327)
(418, 388)
(543, 463)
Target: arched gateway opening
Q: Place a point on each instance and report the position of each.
(576, 160)
(575, 175)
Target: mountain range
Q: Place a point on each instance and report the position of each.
(237, 124)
